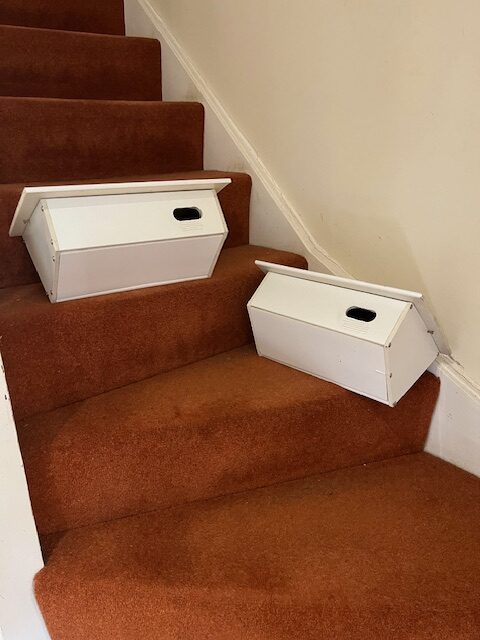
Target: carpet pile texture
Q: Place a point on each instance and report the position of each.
(205, 430)
(389, 550)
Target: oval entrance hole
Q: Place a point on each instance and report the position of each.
(187, 213)
(359, 313)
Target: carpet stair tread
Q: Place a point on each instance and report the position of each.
(386, 550)
(65, 64)
(56, 354)
(231, 422)
(55, 139)
(104, 16)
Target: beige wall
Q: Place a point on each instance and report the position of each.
(367, 114)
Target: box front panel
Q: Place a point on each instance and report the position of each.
(329, 306)
(101, 221)
(109, 269)
(346, 360)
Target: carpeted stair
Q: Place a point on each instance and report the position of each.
(50, 139)
(89, 346)
(387, 551)
(96, 16)
(148, 425)
(227, 423)
(65, 64)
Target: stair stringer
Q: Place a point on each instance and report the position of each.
(20, 554)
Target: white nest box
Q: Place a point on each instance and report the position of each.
(374, 340)
(87, 240)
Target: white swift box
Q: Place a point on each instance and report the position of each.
(89, 240)
(376, 341)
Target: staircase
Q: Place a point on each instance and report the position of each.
(184, 488)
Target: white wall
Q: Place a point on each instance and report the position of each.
(20, 555)
(367, 115)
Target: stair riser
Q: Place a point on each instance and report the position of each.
(56, 354)
(104, 16)
(17, 268)
(78, 139)
(73, 484)
(59, 64)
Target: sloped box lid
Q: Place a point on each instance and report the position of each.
(31, 196)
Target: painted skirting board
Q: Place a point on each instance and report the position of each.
(455, 429)
(273, 220)
(20, 554)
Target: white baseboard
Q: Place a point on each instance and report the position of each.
(455, 429)
(274, 221)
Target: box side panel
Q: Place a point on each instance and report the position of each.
(99, 221)
(412, 351)
(40, 245)
(328, 306)
(109, 269)
(346, 360)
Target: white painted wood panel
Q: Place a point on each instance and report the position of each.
(321, 352)
(32, 195)
(100, 221)
(408, 357)
(394, 293)
(367, 342)
(326, 306)
(141, 265)
(20, 555)
(96, 244)
(39, 239)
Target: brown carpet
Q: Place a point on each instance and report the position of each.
(388, 551)
(49, 139)
(97, 16)
(206, 430)
(56, 354)
(140, 402)
(33, 63)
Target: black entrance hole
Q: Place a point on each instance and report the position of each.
(364, 315)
